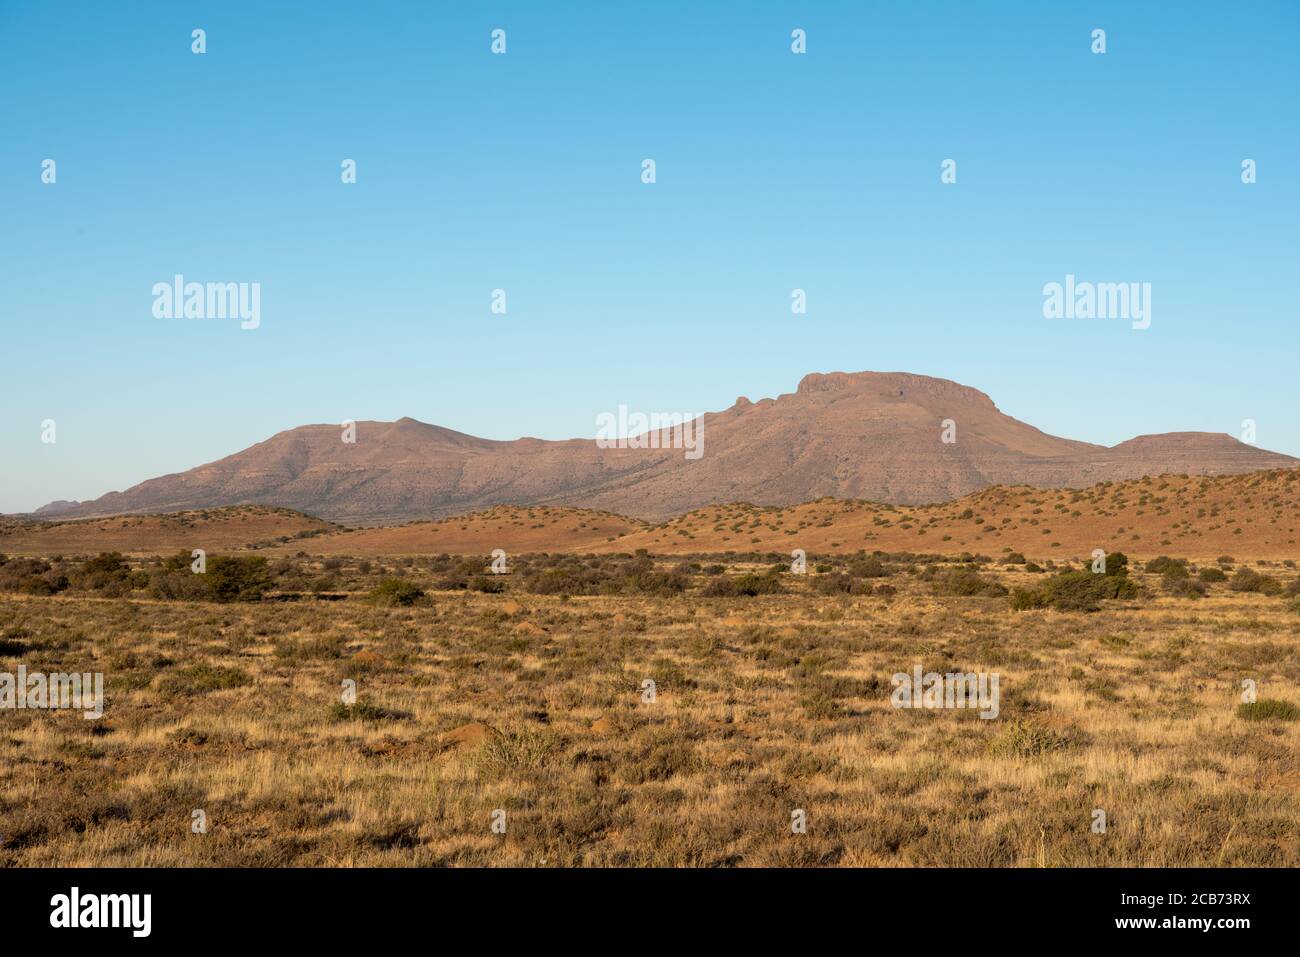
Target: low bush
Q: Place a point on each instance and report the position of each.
(1268, 709)
(965, 583)
(1074, 591)
(1171, 567)
(747, 585)
(394, 592)
(1249, 580)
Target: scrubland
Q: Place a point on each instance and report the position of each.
(506, 720)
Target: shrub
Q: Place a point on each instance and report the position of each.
(1025, 738)
(107, 572)
(1212, 574)
(1023, 599)
(364, 711)
(1248, 580)
(109, 562)
(868, 568)
(966, 583)
(202, 678)
(1174, 567)
(840, 585)
(47, 584)
(237, 578)
(1268, 709)
(748, 585)
(31, 575)
(1116, 566)
(395, 592)
(1075, 591)
(657, 583)
(180, 562)
(180, 585)
(1183, 587)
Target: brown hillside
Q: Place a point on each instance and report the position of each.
(223, 528)
(866, 435)
(1256, 515)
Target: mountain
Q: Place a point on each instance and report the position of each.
(865, 435)
(58, 507)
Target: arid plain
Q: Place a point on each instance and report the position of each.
(505, 719)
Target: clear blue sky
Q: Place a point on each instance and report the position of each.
(522, 172)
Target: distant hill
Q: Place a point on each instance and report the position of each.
(1253, 516)
(209, 529)
(866, 435)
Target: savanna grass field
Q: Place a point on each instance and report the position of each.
(651, 710)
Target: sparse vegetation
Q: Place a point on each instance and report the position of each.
(526, 690)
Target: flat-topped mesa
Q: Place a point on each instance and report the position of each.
(1179, 441)
(901, 385)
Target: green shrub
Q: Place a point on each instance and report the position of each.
(1075, 591)
(31, 576)
(966, 583)
(237, 578)
(179, 585)
(657, 583)
(107, 572)
(395, 592)
(180, 562)
(1268, 709)
(202, 678)
(364, 711)
(1024, 599)
(1116, 566)
(1171, 567)
(1248, 580)
(47, 584)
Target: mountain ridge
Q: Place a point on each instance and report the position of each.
(892, 437)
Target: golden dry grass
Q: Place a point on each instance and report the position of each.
(764, 705)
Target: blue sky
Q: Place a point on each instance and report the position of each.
(522, 172)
